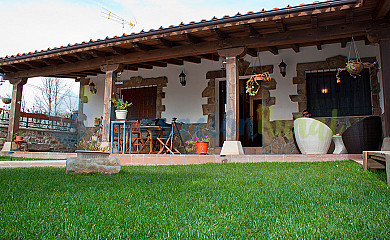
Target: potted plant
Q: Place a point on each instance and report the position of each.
(18, 136)
(202, 145)
(121, 108)
(6, 99)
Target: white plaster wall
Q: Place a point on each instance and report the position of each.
(283, 108)
(185, 103)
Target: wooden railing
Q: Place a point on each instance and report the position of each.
(40, 121)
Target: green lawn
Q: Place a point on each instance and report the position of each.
(330, 200)
(7, 158)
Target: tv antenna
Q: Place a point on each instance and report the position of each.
(107, 13)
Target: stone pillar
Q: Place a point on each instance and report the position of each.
(232, 145)
(14, 116)
(384, 46)
(109, 92)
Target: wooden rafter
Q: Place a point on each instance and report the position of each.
(303, 37)
(281, 26)
(252, 30)
(119, 50)
(68, 59)
(382, 9)
(274, 50)
(173, 61)
(167, 43)
(319, 45)
(344, 42)
(143, 47)
(191, 38)
(295, 47)
(314, 21)
(192, 59)
(156, 63)
(212, 57)
(221, 34)
(251, 52)
(83, 56)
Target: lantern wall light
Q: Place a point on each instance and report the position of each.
(283, 68)
(182, 78)
(92, 88)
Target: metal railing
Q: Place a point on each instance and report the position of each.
(39, 121)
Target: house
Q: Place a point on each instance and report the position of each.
(218, 57)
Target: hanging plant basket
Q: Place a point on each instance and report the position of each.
(252, 85)
(6, 100)
(354, 67)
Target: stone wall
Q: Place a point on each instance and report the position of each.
(54, 141)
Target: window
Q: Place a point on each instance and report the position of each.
(144, 102)
(350, 97)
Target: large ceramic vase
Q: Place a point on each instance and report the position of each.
(312, 136)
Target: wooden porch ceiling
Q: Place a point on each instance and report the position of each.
(309, 27)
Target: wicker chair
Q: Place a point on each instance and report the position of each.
(364, 135)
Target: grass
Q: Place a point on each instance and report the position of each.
(330, 200)
(7, 158)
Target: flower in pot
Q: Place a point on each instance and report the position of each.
(6, 100)
(121, 108)
(201, 145)
(18, 136)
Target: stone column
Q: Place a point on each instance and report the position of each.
(384, 46)
(232, 145)
(109, 92)
(14, 116)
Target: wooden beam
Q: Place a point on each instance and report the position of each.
(167, 43)
(51, 61)
(382, 9)
(273, 50)
(314, 21)
(191, 38)
(21, 66)
(36, 64)
(288, 38)
(143, 65)
(344, 42)
(143, 47)
(9, 68)
(212, 57)
(14, 115)
(281, 26)
(156, 63)
(251, 52)
(97, 53)
(119, 50)
(319, 45)
(68, 59)
(83, 56)
(130, 67)
(192, 59)
(295, 47)
(221, 35)
(252, 30)
(173, 61)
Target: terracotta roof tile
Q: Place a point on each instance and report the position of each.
(161, 27)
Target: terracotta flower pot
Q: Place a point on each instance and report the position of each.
(18, 138)
(201, 147)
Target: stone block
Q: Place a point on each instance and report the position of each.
(38, 147)
(103, 165)
(298, 98)
(269, 85)
(208, 109)
(208, 92)
(297, 80)
(232, 148)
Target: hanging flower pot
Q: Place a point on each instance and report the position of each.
(354, 67)
(6, 100)
(201, 147)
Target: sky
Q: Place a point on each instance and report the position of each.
(29, 25)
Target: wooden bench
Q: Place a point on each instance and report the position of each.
(381, 157)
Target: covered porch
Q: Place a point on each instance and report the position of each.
(310, 39)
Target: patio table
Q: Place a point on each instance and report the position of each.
(153, 132)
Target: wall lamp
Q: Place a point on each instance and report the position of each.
(283, 68)
(182, 78)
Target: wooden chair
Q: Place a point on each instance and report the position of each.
(167, 141)
(137, 141)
